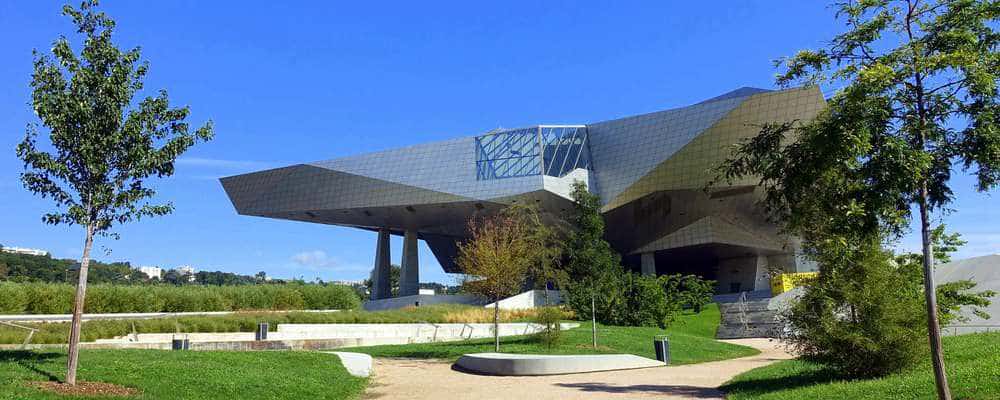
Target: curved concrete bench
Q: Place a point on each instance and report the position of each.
(538, 364)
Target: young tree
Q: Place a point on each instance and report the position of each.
(550, 241)
(500, 254)
(103, 147)
(590, 259)
(919, 98)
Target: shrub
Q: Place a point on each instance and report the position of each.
(44, 298)
(48, 298)
(626, 298)
(284, 298)
(551, 333)
(328, 297)
(860, 316)
(696, 292)
(13, 299)
(646, 302)
(864, 314)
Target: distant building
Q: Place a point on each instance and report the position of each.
(152, 272)
(985, 272)
(187, 269)
(426, 291)
(23, 250)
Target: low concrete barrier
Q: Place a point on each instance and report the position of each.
(539, 364)
(420, 300)
(530, 299)
(322, 336)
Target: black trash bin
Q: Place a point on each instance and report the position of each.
(662, 347)
(181, 343)
(261, 331)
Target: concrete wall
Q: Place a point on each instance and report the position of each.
(749, 272)
(423, 299)
(323, 336)
(530, 299)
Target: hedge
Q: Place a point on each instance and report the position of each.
(56, 298)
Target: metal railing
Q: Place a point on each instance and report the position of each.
(435, 334)
(31, 332)
(743, 308)
(960, 329)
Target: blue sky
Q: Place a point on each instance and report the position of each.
(290, 83)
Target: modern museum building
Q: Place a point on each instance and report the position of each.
(650, 172)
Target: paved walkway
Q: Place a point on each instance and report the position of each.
(430, 379)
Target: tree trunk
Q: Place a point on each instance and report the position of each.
(930, 293)
(81, 292)
(593, 319)
(496, 325)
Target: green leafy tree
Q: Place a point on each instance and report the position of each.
(104, 146)
(548, 235)
(394, 271)
(918, 99)
(590, 260)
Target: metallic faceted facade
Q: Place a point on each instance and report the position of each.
(649, 170)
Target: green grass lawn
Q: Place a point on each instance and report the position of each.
(691, 341)
(972, 361)
(187, 374)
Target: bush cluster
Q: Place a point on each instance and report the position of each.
(865, 315)
(54, 298)
(629, 299)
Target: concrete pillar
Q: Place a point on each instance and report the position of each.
(762, 280)
(381, 288)
(409, 273)
(648, 263)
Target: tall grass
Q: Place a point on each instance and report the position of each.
(247, 321)
(57, 298)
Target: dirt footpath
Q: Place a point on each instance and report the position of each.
(435, 380)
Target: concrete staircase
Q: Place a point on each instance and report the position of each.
(746, 316)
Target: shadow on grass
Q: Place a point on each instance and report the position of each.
(685, 391)
(799, 379)
(30, 360)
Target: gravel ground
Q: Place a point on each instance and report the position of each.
(435, 380)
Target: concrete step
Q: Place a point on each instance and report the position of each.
(758, 317)
(735, 297)
(751, 307)
(753, 331)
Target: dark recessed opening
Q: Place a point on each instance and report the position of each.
(368, 213)
(310, 214)
(479, 206)
(410, 209)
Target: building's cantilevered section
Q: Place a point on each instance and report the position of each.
(649, 170)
